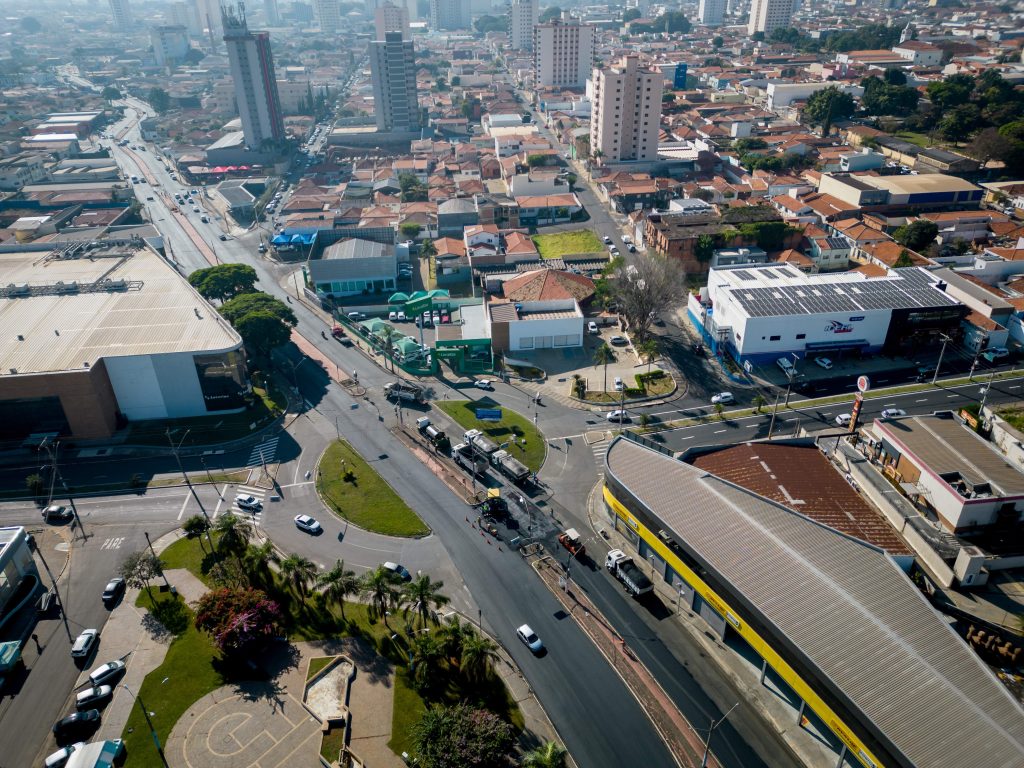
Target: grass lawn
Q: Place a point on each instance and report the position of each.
(921, 139)
(332, 743)
(315, 665)
(406, 709)
(361, 496)
(559, 244)
(512, 423)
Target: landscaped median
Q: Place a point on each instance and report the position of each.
(354, 490)
(529, 442)
(648, 387)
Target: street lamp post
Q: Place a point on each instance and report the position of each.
(711, 730)
(174, 450)
(56, 475)
(945, 341)
(149, 722)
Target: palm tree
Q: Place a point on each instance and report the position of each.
(758, 403)
(548, 755)
(234, 532)
(299, 571)
(478, 654)
(387, 336)
(649, 349)
(450, 636)
(339, 583)
(424, 659)
(602, 356)
(423, 599)
(258, 558)
(720, 411)
(378, 586)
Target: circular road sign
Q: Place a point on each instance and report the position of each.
(863, 383)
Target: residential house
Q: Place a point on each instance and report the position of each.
(537, 210)
(453, 216)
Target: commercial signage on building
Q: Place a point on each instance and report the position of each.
(838, 327)
(418, 306)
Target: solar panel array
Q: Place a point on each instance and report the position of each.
(909, 289)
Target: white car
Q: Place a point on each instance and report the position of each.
(529, 638)
(106, 672)
(60, 758)
(823, 362)
(484, 384)
(843, 419)
(606, 240)
(893, 413)
(247, 502)
(722, 398)
(617, 415)
(400, 316)
(90, 697)
(307, 524)
(619, 386)
(618, 341)
(84, 643)
(392, 315)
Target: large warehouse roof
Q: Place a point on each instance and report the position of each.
(63, 311)
(845, 610)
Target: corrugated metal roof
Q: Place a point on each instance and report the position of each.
(848, 610)
(943, 445)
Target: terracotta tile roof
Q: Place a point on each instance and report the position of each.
(548, 284)
(888, 252)
(871, 270)
(449, 246)
(517, 242)
(802, 479)
(979, 320)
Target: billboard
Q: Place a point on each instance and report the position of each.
(488, 414)
(418, 306)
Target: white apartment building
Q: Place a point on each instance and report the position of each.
(393, 74)
(446, 15)
(170, 45)
(711, 13)
(522, 16)
(563, 53)
(626, 116)
(768, 15)
(252, 72)
(182, 14)
(122, 12)
(208, 12)
(391, 18)
(328, 15)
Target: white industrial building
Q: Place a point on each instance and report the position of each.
(529, 325)
(761, 313)
(783, 94)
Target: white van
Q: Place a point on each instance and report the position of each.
(593, 329)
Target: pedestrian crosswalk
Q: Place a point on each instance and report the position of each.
(263, 453)
(249, 512)
(598, 442)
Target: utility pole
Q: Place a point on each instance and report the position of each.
(157, 559)
(945, 341)
(58, 476)
(174, 450)
(152, 730)
(775, 410)
(711, 730)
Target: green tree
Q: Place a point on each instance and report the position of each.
(951, 92)
(413, 190)
(552, 13)
(717, 41)
(428, 249)
(478, 657)
(233, 533)
(826, 106)
(30, 25)
(758, 402)
(262, 332)
(960, 122)
(195, 526)
(450, 636)
(425, 660)
(422, 598)
(903, 259)
(704, 248)
(486, 24)
(895, 76)
(602, 356)
(339, 584)
(447, 737)
(159, 99)
(223, 281)
(916, 235)
(35, 485)
(548, 755)
(536, 160)
(256, 562)
(299, 571)
(410, 230)
(110, 93)
(139, 568)
(246, 303)
(649, 349)
(720, 411)
(379, 586)
(629, 14)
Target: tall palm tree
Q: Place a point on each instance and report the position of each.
(649, 349)
(234, 532)
(300, 571)
(339, 583)
(548, 755)
(423, 598)
(451, 634)
(378, 586)
(257, 560)
(387, 336)
(602, 356)
(424, 657)
(478, 654)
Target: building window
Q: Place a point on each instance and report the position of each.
(774, 338)
(801, 335)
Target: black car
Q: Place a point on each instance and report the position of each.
(113, 591)
(77, 723)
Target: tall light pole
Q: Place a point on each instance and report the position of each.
(152, 730)
(56, 475)
(711, 730)
(174, 450)
(945, 341)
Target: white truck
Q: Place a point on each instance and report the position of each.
(625, 570)
(510, 466)
(464, 455)
(483, 444)
(403, 390)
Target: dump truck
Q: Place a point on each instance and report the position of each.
(483, 444)
(570, 539)
(625, 570)
(464, 455)
(510, 466)
(339, 333)
(403, 390)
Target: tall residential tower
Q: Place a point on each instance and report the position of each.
(393, 71)
(768, 15)
(252, 70)
(522, 17)
(122, 12)
(711, 13)
(563, 53)
(626, 117)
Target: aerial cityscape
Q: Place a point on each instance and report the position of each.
(563, 386)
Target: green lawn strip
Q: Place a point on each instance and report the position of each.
(559, 244)
(406, 709)
(364, 499)
(920, 139)
(512, 423)
(315, 665)
(331, 744)
(190, 674)
(192, 555)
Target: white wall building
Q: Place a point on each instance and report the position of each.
(328, 15)
(529, 325)
(563, 53)
(393, 73)
(16, 563)
(183, 14)
(919, 54)
(522, 16)
(768, 15)
(391, 18)
(170, 45)
(626, 115)
(447, 15)
(781, 95)
(711, 13)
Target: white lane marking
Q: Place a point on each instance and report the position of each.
(688, 437)
(719, 431)
(1016, 387)
(184, 505)
(922, 400)
(951, 396)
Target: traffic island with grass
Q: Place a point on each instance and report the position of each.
(559, 244)
(648, 386)
(354, 490)
(529, 445)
